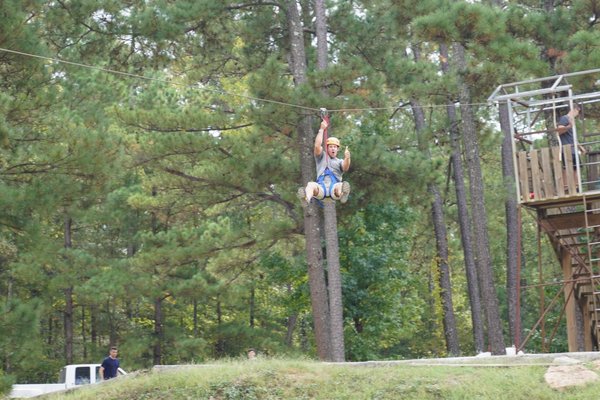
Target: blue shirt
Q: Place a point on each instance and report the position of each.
(110, 365)
(567, 137)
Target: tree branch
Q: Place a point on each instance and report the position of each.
(153, 128)
(274, 197)
(257, 3)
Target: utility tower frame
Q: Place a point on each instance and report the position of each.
(560, 187)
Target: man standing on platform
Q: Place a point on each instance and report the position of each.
(566, 136)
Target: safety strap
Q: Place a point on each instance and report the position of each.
(325, 117)
(321, 181)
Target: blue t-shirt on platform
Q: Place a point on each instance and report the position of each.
(110, 365)
(567, 137)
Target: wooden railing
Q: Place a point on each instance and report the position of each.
(544, 174)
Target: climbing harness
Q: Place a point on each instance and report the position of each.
(327, 180)
(325, 117)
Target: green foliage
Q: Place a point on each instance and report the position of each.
(584, 54)
(381, 301)
(181, 186)
(466, 23)
(19, 337)
(6, 382)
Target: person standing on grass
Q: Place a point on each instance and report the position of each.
(110, 365)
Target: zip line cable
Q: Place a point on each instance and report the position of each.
(218, 91)
(130, 75)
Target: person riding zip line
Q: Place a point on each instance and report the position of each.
(329, 170)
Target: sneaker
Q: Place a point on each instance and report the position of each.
(345, 192)
(302, 196)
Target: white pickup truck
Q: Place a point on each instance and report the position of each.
(71, 376)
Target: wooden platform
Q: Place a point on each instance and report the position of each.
(546, 174)
(572, 224)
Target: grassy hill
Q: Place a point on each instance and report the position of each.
(293, 379)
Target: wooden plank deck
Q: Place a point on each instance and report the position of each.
(546, 174)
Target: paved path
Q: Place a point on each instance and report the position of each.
(484, 360)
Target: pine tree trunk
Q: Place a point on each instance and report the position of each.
(334, 279)
(158, 314)
(321, 31)
(195, 318)
(94, 326)
(467, 244)
(158, 332)
(111, 312)
(512, 226)
(479, 216)
(303, 335)
(68, 315)
(579, 321)
(50, 336)
(439, 227)
(83, 335)
(290, 327)
(290, 323)
(314, 255)
(252, 294)
(68, 322)
(547, 56)
(463, 220)
(220, 343)
(432, 323)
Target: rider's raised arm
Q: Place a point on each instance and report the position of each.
(318, 148)
(346, 162)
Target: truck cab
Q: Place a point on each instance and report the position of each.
(70, 377)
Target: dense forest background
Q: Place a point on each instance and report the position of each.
(150, 155)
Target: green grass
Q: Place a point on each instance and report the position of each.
(287, 379)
